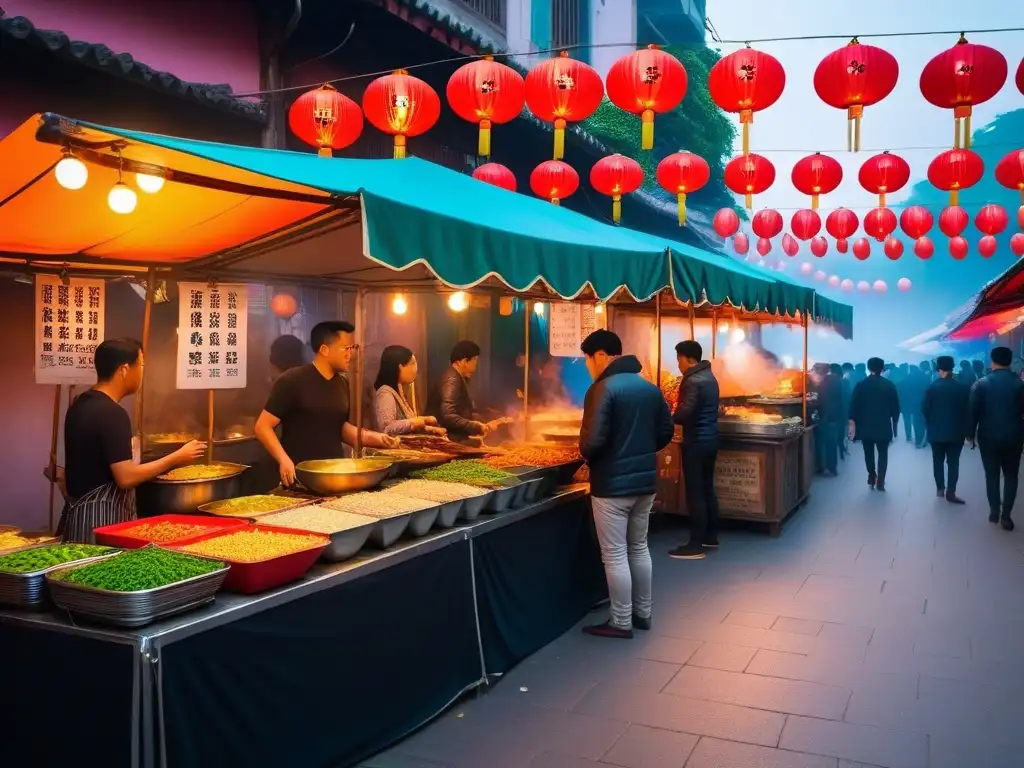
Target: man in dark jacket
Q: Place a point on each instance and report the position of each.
(830, 420)
(874, 419)
(966, 374)
(945, 411)
(449, 401)
(997, 423)
(626, 422)
(697, 413)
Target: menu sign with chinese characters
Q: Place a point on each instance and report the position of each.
(212, 334)
(69, 327)
(564, 330)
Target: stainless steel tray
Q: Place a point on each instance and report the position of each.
(421, 522)
(448, 513)
(531, 490)
(347, 543)
(28, 590)
(387, 531)
(750, 429)
(501, 499)
(303, 502)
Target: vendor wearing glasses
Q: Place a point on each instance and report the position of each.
(311, 404)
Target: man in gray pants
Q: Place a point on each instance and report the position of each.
(626, 421)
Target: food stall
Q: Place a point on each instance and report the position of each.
(442, 596)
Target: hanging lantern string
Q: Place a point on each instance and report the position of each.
(625, 44)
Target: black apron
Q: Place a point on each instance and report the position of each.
(105, 505)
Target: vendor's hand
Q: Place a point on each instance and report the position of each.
(386, 441)
(429, 421)
(481, 428)
(439, 431)
(286, 468)
(495, 423)
(190, 451)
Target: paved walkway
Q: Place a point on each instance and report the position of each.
(879, 630)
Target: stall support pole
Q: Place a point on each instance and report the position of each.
(210, 417)
(804, 388)
(526, 370)
(53, 450)
(147, 314)
(693, 332)
(657, 323)
(358, 377)
(714, 334)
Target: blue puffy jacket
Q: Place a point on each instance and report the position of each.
(626, 422)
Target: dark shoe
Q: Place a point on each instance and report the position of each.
(993, 516)
(711, 543)
(940, 492)
(871, 479)
(687, 553)
(952, 498)
(608, 630)
(641, 623)
(1007, 524)
(880, 486)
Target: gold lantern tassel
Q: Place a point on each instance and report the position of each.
(746, 118)
(853, 115)
(749, 200)
(616, 208)
(681, 198)
(956, 133)
(559, 138)
(647, 129)
(814, 201)
(967, 131)
(325, 152)
(484, 144)
(881, 199)
(554, 201)
(399, 146)
(954, 196)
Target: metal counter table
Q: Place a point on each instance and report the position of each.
(324, 671)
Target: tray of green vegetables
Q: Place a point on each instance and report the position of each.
(504, 486)
(137, 587)
(22, 583)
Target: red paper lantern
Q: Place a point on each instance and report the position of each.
(766, 223)
(916, 221)
(325, 119)
(842, 245)
(861, 248)
(284, 305)
(554, 180)
(841, 224)
(562, 90)
(880, 223)
(883, 174)
(924, 248)
(961, 77)
(956, 169)
(805, 224)
(819, 246)
(790, 246)
(645, 82)
(486, 92)
(816, 175)
(749, 175)
(497, 175)
(953, 221)
(1017, 244)
(958, 248)
(740, 244)
(987, 246)
(1020, 217)
(726, 222)
(1020, 76)
(680, 174)
(854, 77)
(1010, 172)
(402, 106)
(893, 248)
(616, 175)
(746, 81)
(991, 219)
(764, 246)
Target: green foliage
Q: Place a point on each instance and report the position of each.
(697, 125)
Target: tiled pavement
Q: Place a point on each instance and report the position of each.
(879, 630)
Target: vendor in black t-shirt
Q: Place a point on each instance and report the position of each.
(100, 469)
(311, 403)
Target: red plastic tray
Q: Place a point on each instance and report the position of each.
(250, 578)
(117, 535)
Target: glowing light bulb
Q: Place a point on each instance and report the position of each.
(71, 173)
(122, 198)
(737, 336)
(149, 183)
(723, 327)
(538, 309)
(399, 305)
(599, 309)
(458, 301)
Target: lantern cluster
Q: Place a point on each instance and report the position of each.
(73, 174)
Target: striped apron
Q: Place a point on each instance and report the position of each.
(105, 505)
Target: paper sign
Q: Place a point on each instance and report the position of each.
(564, 330)
(739, 482)
(212, 336)
(69, 327)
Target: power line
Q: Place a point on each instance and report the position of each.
(844, 151)
(631, 44)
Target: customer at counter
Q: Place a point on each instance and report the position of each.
(450, 403)
(394, 415)
(311, 404)
(626, 422)
(101, 469)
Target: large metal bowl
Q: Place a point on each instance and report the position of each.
(184, 497)
(330, 477)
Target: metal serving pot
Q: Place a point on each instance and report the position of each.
(331, 477)
(184, 497)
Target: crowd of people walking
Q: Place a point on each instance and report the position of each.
(627, 421)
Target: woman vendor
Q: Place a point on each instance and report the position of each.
(101, 469)
(394, 415)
